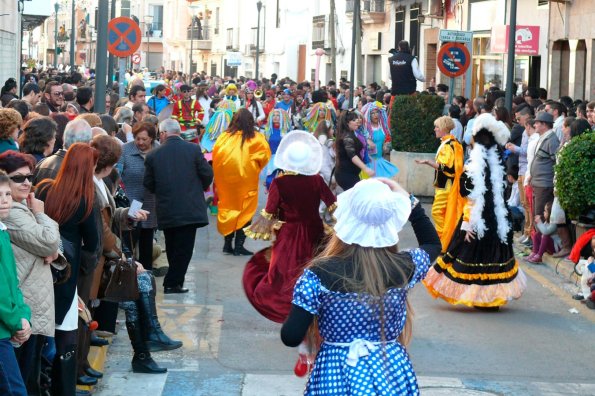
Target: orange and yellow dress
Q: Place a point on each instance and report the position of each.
(448, 203)
(237, 168)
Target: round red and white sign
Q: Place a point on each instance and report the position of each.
(136, 58)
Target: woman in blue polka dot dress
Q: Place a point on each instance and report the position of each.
(356, 289)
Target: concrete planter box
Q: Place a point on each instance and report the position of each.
(415, 178)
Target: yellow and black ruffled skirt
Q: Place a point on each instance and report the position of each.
(480, 273)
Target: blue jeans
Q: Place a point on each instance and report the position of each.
(11, 382)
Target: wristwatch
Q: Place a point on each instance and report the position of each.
(414, 201)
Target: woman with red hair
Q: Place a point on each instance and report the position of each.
(69, 201)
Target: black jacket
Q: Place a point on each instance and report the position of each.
(178, 174)
(48, 167)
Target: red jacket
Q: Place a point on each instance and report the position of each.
(189, 114)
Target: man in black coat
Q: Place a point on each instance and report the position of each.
(178, 174)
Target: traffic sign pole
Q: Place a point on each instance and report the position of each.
(451, 88)
(122, 67)
(101, 63)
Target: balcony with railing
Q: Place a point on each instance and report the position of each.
(201, 36)
(371, 11)
(153, 31)
(251, 48)
(320, 34)
(233, 40)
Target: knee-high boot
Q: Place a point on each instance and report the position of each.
(64, 373)
(155, 338)
(564, 234)
(142, 362)
(239, 249)
(227, 246)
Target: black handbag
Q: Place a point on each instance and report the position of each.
(123, 283)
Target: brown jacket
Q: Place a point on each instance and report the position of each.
(110, 215)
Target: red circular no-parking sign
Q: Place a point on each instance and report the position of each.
(453, 59)
(123, 36)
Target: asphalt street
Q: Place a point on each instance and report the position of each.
(533, 346)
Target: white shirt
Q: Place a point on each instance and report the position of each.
(71, 320)
(205, 103)
(101, 187)
(558, 123)
(458, 131)
(531, 148)
(515, 197)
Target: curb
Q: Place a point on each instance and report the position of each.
(97, 357)
(563, 267)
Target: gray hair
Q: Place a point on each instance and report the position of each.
(124, 115)
(170, 126)
(76, 131)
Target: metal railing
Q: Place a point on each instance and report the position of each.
(366, 6)
(202, 33)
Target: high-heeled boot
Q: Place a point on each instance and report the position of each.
(227, 245)
(155, 338)
(239, 249)
(142, 362)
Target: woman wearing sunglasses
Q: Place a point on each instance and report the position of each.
(34, 239)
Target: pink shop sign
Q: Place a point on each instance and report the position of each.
(526, 40)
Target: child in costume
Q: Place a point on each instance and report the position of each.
(378, 134)
(277, 127)
(479, 268)
(292, 210)
(357, 291)
(218, 123)
(316, 114)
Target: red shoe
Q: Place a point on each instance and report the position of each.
(303, 366)
(530, 257)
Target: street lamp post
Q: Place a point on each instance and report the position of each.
(72, 38)
(148, 28)
(258, 7)
(192, 8)
(56, 9)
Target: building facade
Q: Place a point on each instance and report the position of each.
(572, 44)
(9, 41)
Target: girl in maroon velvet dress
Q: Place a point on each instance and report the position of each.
(292, 214)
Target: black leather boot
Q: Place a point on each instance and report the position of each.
(64, 374)
(142, 362)
(227, 246)
(239, 249)
(154, 336)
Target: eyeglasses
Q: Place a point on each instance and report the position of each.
(21, 178)
(186, 91)
(58, 93)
